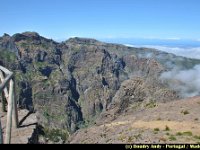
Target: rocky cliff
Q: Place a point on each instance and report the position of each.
(73, 84)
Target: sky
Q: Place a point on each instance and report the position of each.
(103, 19)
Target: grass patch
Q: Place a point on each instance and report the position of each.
(172, 138)
(8, 56)
(151, 104)
(197, 137)
(130, 139)
(179, 133)
(137, 136)
(121, 138)
(187, 133)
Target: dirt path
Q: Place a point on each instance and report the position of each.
(24, 132)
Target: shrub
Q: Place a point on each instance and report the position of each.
(56, 135)
(156, 129)
(158, 119)
(167, 128)
(185, 112)
(167, 133)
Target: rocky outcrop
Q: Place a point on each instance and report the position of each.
(70, 84)
(138, 89)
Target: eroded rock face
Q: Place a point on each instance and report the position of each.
(70, 84)
(139, 89)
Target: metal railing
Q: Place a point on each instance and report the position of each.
(7, 88)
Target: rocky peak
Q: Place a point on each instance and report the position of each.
(31, 37)
(31, 34)
(78, 40)
(6, 35)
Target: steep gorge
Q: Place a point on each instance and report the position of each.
(78, 82)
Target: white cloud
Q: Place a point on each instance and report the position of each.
(189, 81)
(193, 52)
(130, 45)
(173, 38)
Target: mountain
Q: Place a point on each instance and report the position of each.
(81, 82)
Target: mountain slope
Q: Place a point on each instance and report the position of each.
(149, 125)
(76, 83)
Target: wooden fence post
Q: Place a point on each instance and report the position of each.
(4, 93)
(1, 134)
(5, 89)
(3, 102)
(15, 112)
(9, 114)
(10, 96)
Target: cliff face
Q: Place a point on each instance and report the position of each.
(74, 83)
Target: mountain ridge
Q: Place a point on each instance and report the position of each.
(76, 83)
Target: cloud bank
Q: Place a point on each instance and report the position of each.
(192, 52)
(189, 52)
(186, 82)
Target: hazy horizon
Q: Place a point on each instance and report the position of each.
(102, 19)
(169, 25)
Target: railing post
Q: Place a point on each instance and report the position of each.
(10, 96)
(9, 115)
(5, 89)
(15, 112)
(1, 134)
(3, 101)
(4, 93)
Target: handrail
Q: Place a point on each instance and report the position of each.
(6, 71)
(5, 82)
(8, 81)
(5, 89)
